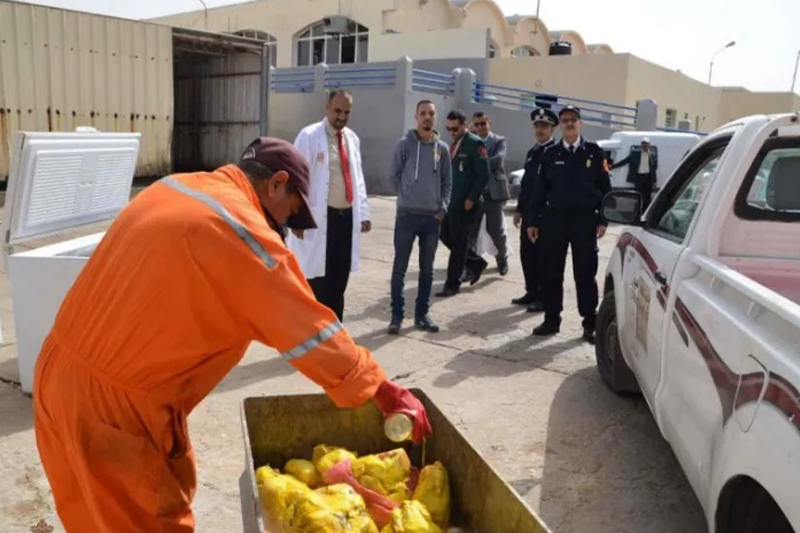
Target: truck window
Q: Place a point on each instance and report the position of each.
(771, 190)
(680, 210)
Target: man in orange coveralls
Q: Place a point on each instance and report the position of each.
(190, 272)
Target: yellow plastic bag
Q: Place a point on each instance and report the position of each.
(278, 493)
(325, 456)
(303, 470)
(385, 473)
(433, 491)
(334, 509)
(411, 517)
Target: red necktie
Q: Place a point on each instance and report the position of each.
(348, 183)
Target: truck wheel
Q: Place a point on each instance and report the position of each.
(613, 369)
(752, 510)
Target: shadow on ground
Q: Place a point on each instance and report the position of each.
(613, 471)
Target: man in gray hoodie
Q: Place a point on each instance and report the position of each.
(421, 171)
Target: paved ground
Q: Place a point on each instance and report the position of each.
(585, 459)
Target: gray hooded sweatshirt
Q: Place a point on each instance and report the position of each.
(421, 171)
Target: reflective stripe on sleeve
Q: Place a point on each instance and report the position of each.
(219, 209)
(303, 348)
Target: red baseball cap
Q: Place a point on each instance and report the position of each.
(277, 155)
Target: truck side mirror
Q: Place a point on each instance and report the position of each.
(623, 207)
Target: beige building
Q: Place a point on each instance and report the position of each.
(298, 33)
(520, 50)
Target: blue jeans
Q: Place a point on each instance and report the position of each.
(407, 227)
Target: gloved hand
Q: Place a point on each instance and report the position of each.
(391, 398)
(379, 507)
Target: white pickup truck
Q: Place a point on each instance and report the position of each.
(701, 314)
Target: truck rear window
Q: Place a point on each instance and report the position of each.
(771, 190)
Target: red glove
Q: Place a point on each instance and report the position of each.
(392, 399)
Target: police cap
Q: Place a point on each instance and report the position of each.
(542, 115)
(569, 108)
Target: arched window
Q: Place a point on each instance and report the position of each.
(524, 51)
(333, 41)
(271, 41)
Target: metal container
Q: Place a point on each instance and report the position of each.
(279, 428)
(61, 69)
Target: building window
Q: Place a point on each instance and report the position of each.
(494, 50)
(524, 51)
(321, 44)
(272, 42)
(671, 117)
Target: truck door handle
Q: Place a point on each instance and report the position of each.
(660, 277)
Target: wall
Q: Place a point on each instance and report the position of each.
(433, 44)
(485, 14)
(671, 89)
(285, 18)
(446, 66)
(594, 77)
(614, 78)
(62, 69)
(738, 102)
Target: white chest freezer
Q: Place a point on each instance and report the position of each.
(58, 182)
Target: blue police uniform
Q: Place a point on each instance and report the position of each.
(566, 199)
(530, 252)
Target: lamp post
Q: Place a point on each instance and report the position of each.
(205, 13)
(797, 63)
(711, 66)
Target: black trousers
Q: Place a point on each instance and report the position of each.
(532, 268)
(329, 289)
(455, 235)
(644, 186)
(577, 229)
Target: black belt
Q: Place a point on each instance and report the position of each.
(574, 208)
(341, 212)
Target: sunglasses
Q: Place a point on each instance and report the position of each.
(479, 124)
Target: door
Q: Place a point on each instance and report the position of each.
(650, 260)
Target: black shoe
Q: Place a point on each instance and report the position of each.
(394, 326)
(502, 266)
(523, 300)
(535, 307)
(476, 274)
(466, 276)
(447, 292)
(546, 329)
(425, 323)
(588, 335)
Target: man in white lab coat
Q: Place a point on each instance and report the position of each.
(338, 199)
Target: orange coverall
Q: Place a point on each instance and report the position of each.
(185, 278)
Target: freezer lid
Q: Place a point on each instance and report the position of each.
(64, 180)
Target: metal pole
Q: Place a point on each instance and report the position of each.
(536, 27)
(711, 66)
(266, 81)
(796, 64)
(205, 12)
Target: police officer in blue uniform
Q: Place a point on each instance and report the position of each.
(567, 196)
(544, 124)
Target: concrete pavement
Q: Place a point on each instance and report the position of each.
(584, 458)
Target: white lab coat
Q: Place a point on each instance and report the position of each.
(310, 250)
